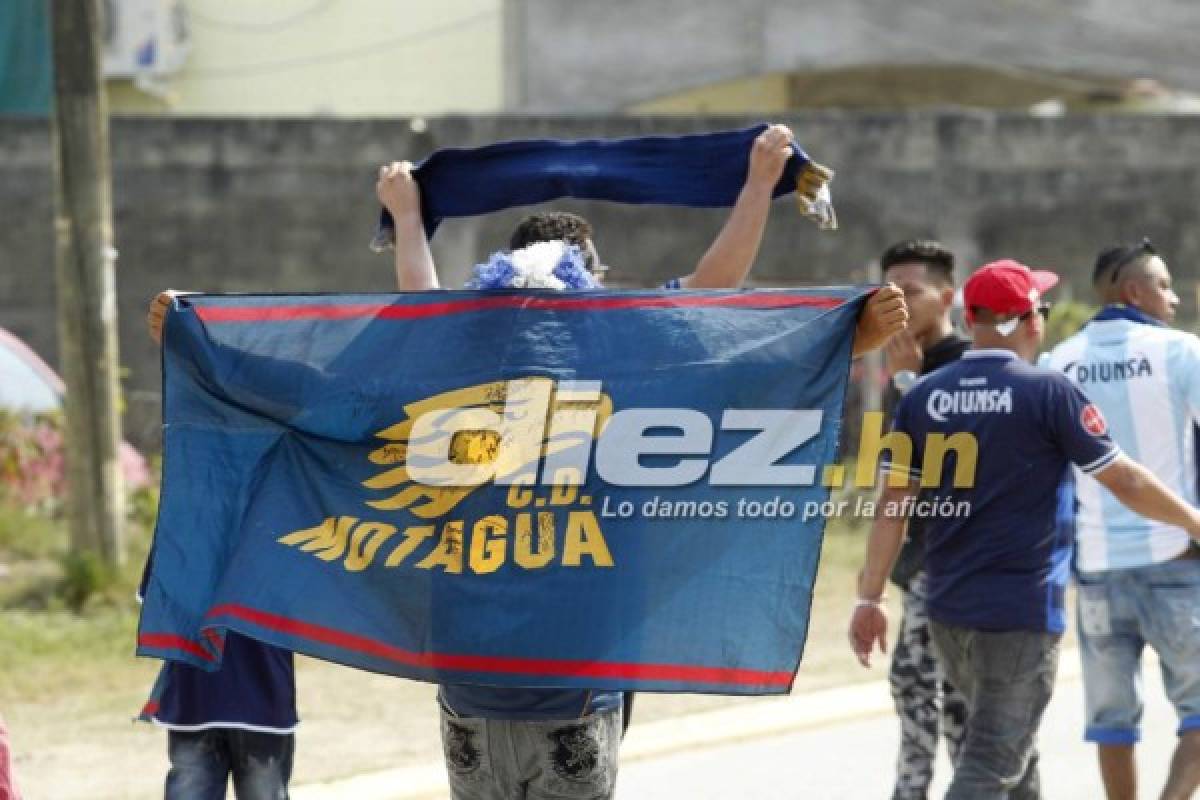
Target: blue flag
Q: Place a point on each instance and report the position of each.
(600, 489)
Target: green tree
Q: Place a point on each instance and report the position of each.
(1065, 321)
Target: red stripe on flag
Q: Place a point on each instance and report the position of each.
(171, 641)
(215, 639)
(502, 664)
(289, 313)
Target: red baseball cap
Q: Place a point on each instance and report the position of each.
(1006, 288)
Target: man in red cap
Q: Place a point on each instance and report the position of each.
(997, 562)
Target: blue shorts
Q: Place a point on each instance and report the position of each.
(1122, 611)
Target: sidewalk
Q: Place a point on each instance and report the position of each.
(748, 722)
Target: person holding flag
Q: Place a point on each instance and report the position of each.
(237, 722)
(538, 742)
(929, 707)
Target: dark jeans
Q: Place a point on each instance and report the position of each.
(202, 761)
(1007, 679)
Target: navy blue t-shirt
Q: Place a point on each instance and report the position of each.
(996, 559)
(255, 689)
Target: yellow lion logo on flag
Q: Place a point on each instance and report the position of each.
(492, 431)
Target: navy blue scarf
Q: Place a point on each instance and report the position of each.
(1121, 311)
(700, 171)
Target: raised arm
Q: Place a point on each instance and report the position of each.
(400, 195)
(732, 253)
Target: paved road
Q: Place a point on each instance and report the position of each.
(836, 744)
(853, 760)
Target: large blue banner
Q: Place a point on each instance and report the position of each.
(601, 489)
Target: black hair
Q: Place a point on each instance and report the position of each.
(1111, 260)
(937, 259)
(550, 226)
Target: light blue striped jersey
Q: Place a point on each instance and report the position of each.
(1145, 378)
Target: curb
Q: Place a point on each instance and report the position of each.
(738, 723)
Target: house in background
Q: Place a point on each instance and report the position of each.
(289, 58)
(382, 58)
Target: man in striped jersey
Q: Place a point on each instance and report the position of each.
(1139, 580)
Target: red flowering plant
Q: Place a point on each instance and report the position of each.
(32, 462)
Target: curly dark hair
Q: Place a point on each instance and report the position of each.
(549, 226)
(938, 261)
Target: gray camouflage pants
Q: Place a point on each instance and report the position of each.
(492, 759)
(925, 702)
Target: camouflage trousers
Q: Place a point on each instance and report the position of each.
(495, 759)
(925, 702)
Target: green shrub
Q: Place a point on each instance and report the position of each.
(84, 576)
(32, 464)
(1065, 321)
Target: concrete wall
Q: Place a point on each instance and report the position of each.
(288, 205)
(567, 55)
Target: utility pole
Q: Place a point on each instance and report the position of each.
(84, 272)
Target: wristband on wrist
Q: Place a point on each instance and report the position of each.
(904, 380)
(866, 601)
